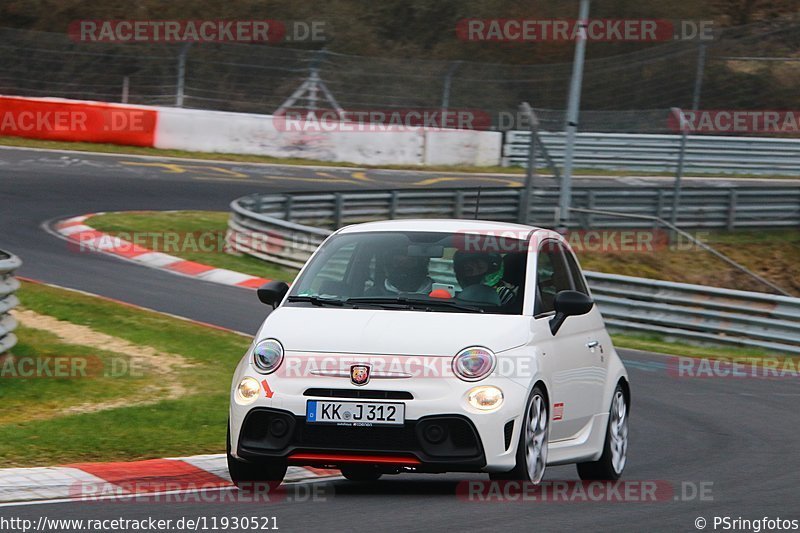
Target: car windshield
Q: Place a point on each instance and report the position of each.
(425, 271)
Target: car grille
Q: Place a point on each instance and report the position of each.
(365, 394)
(355, 438)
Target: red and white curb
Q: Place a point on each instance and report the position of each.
(77, 231)
(93, 481)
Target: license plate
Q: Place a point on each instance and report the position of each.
(355, 413)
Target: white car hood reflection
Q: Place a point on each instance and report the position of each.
(377, 331)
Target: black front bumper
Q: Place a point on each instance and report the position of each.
(442, 443)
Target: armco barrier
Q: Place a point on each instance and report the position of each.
(697, 312)
(700, 207)
(659, 153)
(8, 300)
(259, 227)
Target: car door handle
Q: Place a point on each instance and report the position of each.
(592, 345)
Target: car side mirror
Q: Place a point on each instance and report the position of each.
(272, 292)
(569, 303)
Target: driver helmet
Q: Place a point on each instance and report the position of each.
(472, 268)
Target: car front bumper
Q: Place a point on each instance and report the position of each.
(473, 441)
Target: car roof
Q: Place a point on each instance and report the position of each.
(444, 225)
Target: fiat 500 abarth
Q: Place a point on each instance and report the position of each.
(431, 346)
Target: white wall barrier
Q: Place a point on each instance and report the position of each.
(244, 133)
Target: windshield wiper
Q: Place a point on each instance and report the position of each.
(315, 300)
(413, 302)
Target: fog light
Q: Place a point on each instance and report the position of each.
(278, 427)
(485, 398)
(434, 433)
(247, 391)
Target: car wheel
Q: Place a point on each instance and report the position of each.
(615, 451)
(533, 441)
(251, 476)
(363, 473)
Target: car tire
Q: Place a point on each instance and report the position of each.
(361, 473)
(615, 450)
(254, 476)
(533, 441)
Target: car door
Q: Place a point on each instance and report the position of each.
(567, 359)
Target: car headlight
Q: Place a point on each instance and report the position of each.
(247, 391)
(485, 397)
(268, 355)
(472, 364)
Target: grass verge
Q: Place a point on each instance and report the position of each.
(200, 236)
(658, 344)
(193, 423)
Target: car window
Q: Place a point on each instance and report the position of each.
(575, 271)
(331, 275)
(552, 276)
(447, 271)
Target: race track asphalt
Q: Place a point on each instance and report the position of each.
(736, 437)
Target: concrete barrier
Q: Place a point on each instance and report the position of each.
(243, 133)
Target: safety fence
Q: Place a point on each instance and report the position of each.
(697, 312)
(8, 300)
(286, 229)
(659, 153)
(700, 207)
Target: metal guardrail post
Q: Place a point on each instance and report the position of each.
(394, 202)
(180, 85)
(590, 203)
(573, 109)
(458, 207)
(530, 171)
(338, 205)
(676, 191)
(8, 300)
(733, 197)
(287, 216)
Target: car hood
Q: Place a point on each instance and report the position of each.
(396, 332)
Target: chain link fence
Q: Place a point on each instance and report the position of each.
(632, 92)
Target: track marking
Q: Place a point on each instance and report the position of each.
(444, 179)
(178, 168)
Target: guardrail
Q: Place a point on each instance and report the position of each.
(8, 300)
(700, 207)
(659, 153)
(695, 313)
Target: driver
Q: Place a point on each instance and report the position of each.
(472, 268)
(404, 273)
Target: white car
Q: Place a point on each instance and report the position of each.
(431, 346)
